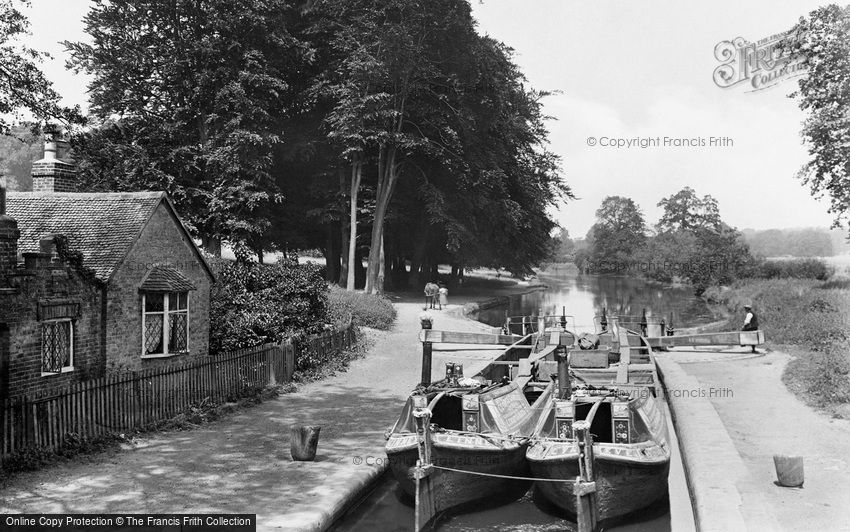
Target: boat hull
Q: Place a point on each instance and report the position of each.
(472, 453)
(622, 487)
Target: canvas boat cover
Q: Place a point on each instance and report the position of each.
(504, 410)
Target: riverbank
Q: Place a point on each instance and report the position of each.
(810, 321)
(241, 463)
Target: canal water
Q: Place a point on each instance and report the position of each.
(385, 509)
(584, 296)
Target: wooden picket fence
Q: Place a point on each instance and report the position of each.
(124, 402)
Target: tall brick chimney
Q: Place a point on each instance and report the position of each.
(52, 174)
(9, 235)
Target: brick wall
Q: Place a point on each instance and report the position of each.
(46, 279)
(161, 242)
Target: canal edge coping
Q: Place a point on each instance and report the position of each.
(712, 464)
(355, 492)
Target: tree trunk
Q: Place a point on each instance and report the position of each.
(386, 183)
(332, 254)
(379, 285)
(212, 245)
(356, 174)
(359, 270)
(345, 223)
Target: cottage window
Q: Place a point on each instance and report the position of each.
(57, 346)
(165, 324)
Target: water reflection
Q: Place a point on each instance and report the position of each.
(584, 296)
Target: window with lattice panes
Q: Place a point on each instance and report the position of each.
(165, 323)
(57, 346)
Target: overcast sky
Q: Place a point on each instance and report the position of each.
(624, 70)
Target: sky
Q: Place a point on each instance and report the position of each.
(621, 70)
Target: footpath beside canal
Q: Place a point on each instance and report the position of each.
(732, 414)
(241, 464)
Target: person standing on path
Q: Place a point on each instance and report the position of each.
(751, 322)
(444, 295)
(431, 291)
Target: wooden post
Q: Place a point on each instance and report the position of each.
(426, 322)
(426, 500)
(585, 485)
(564, 385)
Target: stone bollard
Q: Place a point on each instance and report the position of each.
(303, 442)
(789, 470)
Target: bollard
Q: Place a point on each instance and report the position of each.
(426, 321)
(584, 489)
(303, 442)
(789, 470)
(564, 385)
(425, 503)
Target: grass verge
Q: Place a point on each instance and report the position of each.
(809, 320)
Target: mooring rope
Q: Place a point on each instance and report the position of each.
(509, 477)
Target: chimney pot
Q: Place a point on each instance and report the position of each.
(52, 174)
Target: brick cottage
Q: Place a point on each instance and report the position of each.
(94, 283)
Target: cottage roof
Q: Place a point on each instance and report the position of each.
(102, 225)
(164, 278)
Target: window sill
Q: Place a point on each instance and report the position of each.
(165, 355)
(69, 369)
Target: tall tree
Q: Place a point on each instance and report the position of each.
(188, 96)
(619, 231)
(823, 40)
(685, 211)
(24, 87)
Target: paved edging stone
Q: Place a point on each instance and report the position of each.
(712, 464)
(354, 493)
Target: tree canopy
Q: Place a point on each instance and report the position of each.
(619, 231)
(24, 88)
(823, 40)
(188, 97)
(386, 130)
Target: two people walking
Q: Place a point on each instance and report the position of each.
(436, 295)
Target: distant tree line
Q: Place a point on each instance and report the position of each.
(690, 243)
(812, 242)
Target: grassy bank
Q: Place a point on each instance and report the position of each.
(808, 319)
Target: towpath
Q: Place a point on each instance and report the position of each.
(761, 418)
(241, 464)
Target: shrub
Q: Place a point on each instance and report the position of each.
(366, 310)
(252, 303)
(836, 283)
(794, 269)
